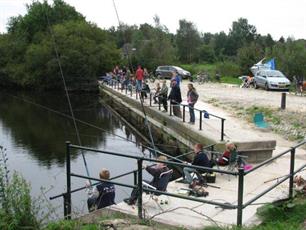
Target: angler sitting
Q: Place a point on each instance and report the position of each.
(200, 159)
(225, 158)
(156, 170)
(103, 194)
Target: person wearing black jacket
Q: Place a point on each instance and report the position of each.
(103, 194)
(200, 159)
(155, 170)
(175, 98)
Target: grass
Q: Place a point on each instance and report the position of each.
(211, 69)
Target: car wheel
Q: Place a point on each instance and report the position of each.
(255, 85)
(159, 77)
(267, 87)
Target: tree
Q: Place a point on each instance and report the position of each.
(240, 34)
(28, 59)
(188, 41)
(248, 55)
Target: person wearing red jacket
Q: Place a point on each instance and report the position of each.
(139, 78)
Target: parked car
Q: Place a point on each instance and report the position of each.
(271, 79)
(166, 71)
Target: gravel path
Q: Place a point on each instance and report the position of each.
(247, 97)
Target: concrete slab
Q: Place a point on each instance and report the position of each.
(193, 214)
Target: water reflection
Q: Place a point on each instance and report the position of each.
(43, 133)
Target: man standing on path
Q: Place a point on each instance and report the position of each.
(192, 98)
(175, 98)
(163, 94)
(139, 78)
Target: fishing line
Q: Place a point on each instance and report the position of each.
(66, 92)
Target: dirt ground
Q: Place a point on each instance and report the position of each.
(290, 123)
(247, 97)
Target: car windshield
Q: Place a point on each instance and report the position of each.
(178, 68)
(275, 74)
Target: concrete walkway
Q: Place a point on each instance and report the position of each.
(178, 211)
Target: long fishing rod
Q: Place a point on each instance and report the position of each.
(66, 92)
(148, 125)
(124, 37)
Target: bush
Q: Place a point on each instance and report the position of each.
(228, 68)
(16, 207)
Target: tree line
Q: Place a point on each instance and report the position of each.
(28, 50)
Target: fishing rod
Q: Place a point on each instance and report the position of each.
(277, 178)
(66, 92)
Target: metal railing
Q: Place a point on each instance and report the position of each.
(114, 84)
(138, 180)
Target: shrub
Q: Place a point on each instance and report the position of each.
(228, 68)
(16, 207)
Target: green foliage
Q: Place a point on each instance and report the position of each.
(228, 68)
(29, 59)
(16, 207)
(291, 57)
(188, 42)
(248, 55)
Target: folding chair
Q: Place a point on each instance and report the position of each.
(233, 162)
(259, 120)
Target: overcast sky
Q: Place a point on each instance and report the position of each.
(277, 17)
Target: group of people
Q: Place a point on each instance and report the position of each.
(103, 194)
(161, 96)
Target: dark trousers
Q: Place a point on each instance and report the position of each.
(176, 110)
(163, 100)
(135, 193)
(191, 113)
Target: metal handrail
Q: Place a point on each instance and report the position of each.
(154, 160)
(274, 158)
(124, 86)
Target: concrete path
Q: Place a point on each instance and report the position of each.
(178, 211)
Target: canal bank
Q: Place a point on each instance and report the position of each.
(172, 131)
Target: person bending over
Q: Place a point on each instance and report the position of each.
(155, 170)
(200, 159)
(103, 194)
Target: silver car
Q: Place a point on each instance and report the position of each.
(271, 79)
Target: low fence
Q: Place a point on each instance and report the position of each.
(133, 93)
(138, 180)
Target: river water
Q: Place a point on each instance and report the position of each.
(34, 128)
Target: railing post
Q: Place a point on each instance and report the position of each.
(65, 205)
(222, 129)
(68, 171)
(283, 101)
(139, 163)
(137, 94)
(200, 125)
(131, 91)
(150, 99)
(240, 196)
(170, 108)
(159, 103)
(135, 177)
(292, 158)
(183, 113)
(126, 88)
